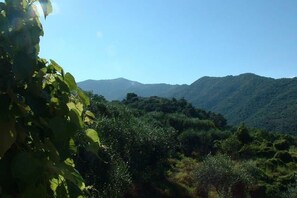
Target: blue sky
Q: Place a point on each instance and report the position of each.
(172, 41)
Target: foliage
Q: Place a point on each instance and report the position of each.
(229, 179)
(265, 103)
(277, 163)
(49, 146)
(131, 141)
(200, 143)
(42, 111)
(182, 171)
(291, 191)
(173, 106)
(108, 175)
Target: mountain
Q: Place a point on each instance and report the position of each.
(117, 89)
(258, 101)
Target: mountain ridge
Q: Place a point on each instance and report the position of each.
(259, 101)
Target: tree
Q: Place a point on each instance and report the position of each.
(42, 111)
(228, 179)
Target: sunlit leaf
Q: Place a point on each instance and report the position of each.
(85, 99)
(90, 114)
(59, 187)
(93, 135)
(75, 118)
(71, 174)
(54, 100)
(77, 106)
(70, 81)
(94, 141)
(54, 183)
(57, 67)
(69, 162)
(46, 7)
(88, 121)
(72, 146)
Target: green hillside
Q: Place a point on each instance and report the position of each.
(59, 141)
(117, 89)
(168, 148)
(258, 101)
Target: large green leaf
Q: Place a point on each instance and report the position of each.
(77, 106)
(59, 187)
(70, 81)
(89, 117)
(93, 135)
(57, 67)
(7, 136)
(72, 146)
(62, 129)
(35, 191)
(22, 66)
(71, 174)
(85, 99)
(94, 141)
(26, 168)
(75, 118)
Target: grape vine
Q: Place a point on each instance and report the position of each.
(42, 117)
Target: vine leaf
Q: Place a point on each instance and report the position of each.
(22, 66)
(94, 143)
(93, 135)
(57, 67)
(7, 137)
(46, 6)
(26, 168)
(69, 79)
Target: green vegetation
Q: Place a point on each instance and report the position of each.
(170, 148)
(144, 147)
(42, 112)
(260, 102)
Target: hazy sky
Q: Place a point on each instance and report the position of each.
(172, 41)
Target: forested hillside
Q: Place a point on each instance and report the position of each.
(58, 141)
(117, 89)
(168, 148)
(258, 101)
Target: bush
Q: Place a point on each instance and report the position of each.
(226, 177)
(230, 146)
(291, 190)
(243, 135)
(136, 141)
(284, 156)
(281, 144)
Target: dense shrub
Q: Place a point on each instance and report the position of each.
(228, 179)
(140, 144)
(281, 144)
(284, 156)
